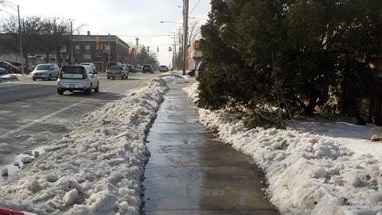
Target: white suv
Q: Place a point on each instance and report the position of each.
(77, 78)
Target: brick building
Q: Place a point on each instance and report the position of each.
(98, 49)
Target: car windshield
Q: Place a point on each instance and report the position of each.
(72, 72)
(43, 67)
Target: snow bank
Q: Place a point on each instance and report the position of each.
(95, 169)
(307, 173)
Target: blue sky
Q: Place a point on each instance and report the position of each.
(125, 18)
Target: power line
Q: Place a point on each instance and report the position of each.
(194, 7)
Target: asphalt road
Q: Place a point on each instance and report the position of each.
(33, 115)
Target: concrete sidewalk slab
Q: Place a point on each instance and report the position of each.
(190, 172)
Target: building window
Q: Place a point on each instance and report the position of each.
(76, 49)
(63, 50)
(87, 49)
(87, 56)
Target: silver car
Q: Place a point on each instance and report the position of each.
(77, 78)
(45, 71)
(117, 71)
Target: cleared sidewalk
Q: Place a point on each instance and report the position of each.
(190, 172)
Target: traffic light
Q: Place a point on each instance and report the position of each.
(157, 49)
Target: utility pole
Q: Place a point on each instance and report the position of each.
(174, 56)
(16, 8)
(109, 48)
(71, 44)
(185, 31)
(20, 41)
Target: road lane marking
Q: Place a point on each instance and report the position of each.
(39, 120)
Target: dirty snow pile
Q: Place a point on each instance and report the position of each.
(8, 78)
(326, 171)
(95, 169)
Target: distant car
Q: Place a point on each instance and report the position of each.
(10, 67)
(147, 68)
(200, 69)
(92, 66)
(138, 69)
(191, 72)
(45, 71)
(19, 65)
(117, 71)
(163, 68)
(3, 72)
(110, 64)
(77, 78)
(129, 68)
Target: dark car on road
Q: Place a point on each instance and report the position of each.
(10, 67)
(147, 68)
(3, 71)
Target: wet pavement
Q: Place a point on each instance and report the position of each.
(190, 172)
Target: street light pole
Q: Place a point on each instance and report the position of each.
(185, 31)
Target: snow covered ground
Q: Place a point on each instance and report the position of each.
(95, 169)
(319, 168)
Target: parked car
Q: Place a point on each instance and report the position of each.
(110, 64)
(147, 68)
(3, 72)
(117, 71)
(163, 68)
(191, 72)
(92, 66)
(200, 69)
(129, 67)
(10, 67)
(77, 78)
(45, 71)
(138, 69)
(19, 65)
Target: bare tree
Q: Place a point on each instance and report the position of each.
(56, 33)
(194, 32)
(39, 35)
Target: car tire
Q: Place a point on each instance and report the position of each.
(60, 92)
(96, 90)
(33, 79)
(89, 91)
(50, 77)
